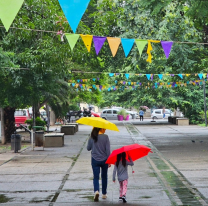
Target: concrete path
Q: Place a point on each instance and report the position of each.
(175, 174)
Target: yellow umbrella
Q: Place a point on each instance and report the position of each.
(98, 122)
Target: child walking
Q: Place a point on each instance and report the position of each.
(121, 168)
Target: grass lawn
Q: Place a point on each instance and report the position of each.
(7, 147)
(202, 125)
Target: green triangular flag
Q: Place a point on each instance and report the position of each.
(72, 39)
(8, 11)
(140, 45)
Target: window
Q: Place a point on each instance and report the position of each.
(20, 113)
(157, 112)
(104, 112)
(114, 112)
(167, 111)
(109, 112)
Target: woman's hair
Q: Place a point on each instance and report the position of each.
(94, 133)
(123, 157)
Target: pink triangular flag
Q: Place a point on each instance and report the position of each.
(98, 42)
(167, 45)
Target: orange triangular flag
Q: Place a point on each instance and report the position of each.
(87, 39)
(114, 44)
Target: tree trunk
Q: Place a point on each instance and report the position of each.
(3, 140)
(9, 123)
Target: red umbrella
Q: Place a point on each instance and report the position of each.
(135, 151)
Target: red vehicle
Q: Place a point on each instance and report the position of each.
(95, 114)
(21, 116)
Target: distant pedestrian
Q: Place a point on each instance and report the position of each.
(141, 114)
(121, 168)
(163, 112)
(99, 145)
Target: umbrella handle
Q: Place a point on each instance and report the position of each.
(132, 169)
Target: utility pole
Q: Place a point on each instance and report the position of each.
(205, 104)
(3, 140)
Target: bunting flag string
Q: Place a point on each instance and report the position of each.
(137, 85)
(149, 76)
(114, 43)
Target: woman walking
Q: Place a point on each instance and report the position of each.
(99, 145)
(121, 168)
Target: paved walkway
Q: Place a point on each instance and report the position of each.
(175, 174)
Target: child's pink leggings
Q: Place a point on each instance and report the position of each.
(123, 187)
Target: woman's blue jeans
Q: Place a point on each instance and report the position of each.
(96, 166)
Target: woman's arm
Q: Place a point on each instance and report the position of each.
(108, 147)
(130, 162)
(114, 173)
(89, 145)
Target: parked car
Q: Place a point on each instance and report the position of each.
(111, 114)
(21, 116)
(133, 114)
(158, 113)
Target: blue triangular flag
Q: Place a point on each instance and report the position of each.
(73, 84)
(74, 10)
(127, 76)
(200, 76)
(181, 76)
(127, 45)
(93, 79)
(160, 76)
(116, 81)
(111, 74)
(148, 76)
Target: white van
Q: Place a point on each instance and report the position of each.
(158, 113)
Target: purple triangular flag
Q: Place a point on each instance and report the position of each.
(98, 42)
(167, 45)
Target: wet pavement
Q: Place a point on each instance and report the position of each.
(176, 173)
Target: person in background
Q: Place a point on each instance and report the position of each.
(163, 112)
(121, 168)
(99, 145)
(141, 114)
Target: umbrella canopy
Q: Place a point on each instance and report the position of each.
(98, 122)
(135, 151)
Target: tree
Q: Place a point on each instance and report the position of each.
(160, 21)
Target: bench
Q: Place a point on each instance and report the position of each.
(76, 126)
(172, 119)
(182, 121)
(54, 140)
(68, 129)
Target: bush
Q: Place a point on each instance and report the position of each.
(123, 113)
(38, 122)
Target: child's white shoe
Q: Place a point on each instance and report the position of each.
(96, 197)
(104, 196)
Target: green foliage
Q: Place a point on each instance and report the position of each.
(160, 20)
(73, 107)
(38, 122)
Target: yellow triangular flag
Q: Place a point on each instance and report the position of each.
(114, 44)
(87, 39)
(149, 49)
